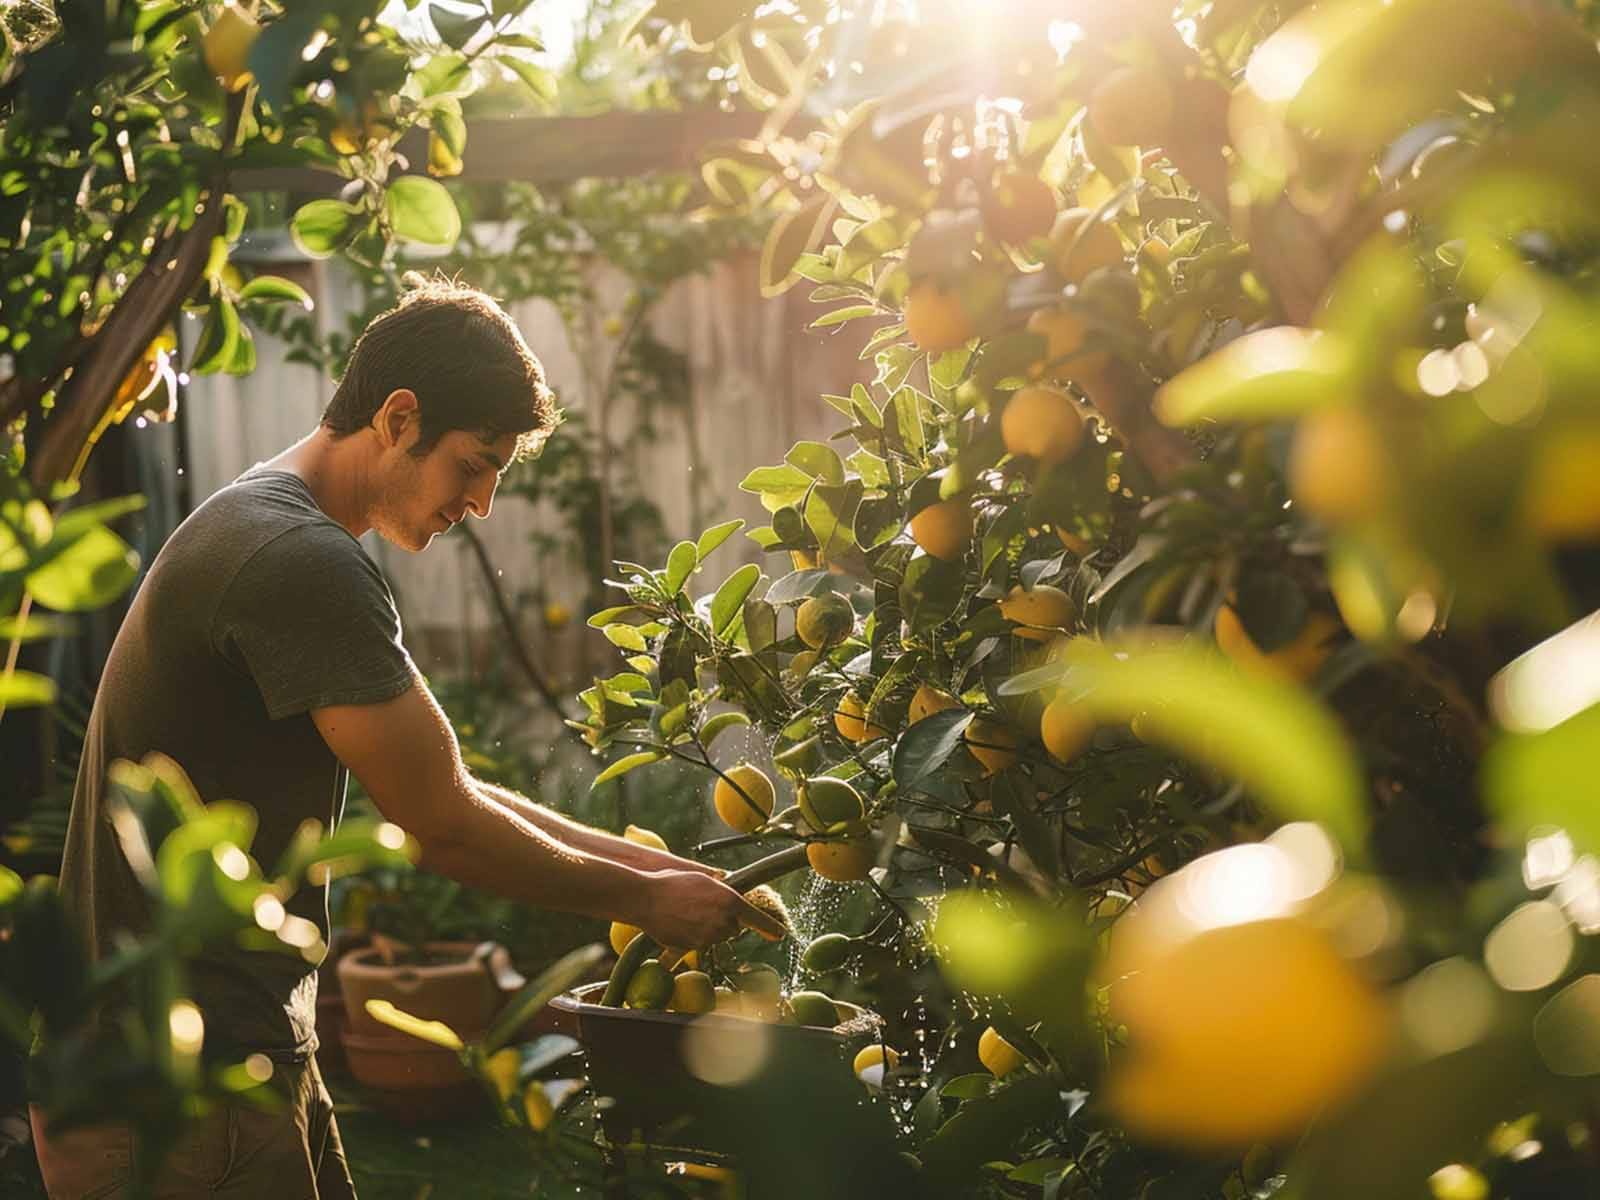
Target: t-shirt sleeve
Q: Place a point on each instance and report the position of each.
(311, 620)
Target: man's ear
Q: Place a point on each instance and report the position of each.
(397, 413)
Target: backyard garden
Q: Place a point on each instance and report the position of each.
(1145, 665)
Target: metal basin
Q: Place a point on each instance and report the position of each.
(637, 1058)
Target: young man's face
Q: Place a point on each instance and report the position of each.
(422, 497)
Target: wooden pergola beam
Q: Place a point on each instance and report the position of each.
(549, 150)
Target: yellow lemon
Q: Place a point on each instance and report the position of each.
(875, 1055)
(692, 992)
(943, 530)
(991, 744)
(850, 720)
(1065, 729)
(935, 318)
(1065, 359)
(1296, 661)
(1238, 1034)
(1042, 423)
(842, 862)
(1338, 468)
(928, 700)
(1019, 207)
(1076, 256)
(1043, 612)
(733, 808)
(997, 1055)
(621, 935)
(556, 615)
(645, 837)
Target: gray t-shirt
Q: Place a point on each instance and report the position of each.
(258, 609)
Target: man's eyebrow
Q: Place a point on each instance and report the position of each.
(492, 459)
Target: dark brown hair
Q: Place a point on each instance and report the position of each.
(464, 358)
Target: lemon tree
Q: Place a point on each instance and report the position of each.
(1221, 444)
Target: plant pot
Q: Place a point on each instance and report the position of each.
(412, 1081)
(458, 990)
(636, 1057)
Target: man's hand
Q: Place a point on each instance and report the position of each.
(689, 908)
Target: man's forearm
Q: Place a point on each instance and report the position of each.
(493, 845)
(588, 840)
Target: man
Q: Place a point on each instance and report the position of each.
(263, 654)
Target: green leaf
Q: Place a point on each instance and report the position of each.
(564, 973)
(925, 747)
(608, 615)
(797, 585)
(1548, 778)
(623, 765)
(625, 637)
(74, 522)
(539, 81)
(90, 573)
(1273, 737)
(219, 338)
(791, 235)
(839, 316)
(243, 359)
(274, 289)
(728, 603)
(455, 29)
(1261, 376)
(931, 592)
(777, 486)
(716, 535)
(817, 461)
(720, 722)
(35, 628)
(831, 514)
(435, 1032)
(442, 75)
(681, 563)
(421, 210)
(24, 689)
(984, 1128)
(321, 227)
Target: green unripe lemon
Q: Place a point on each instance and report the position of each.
(825, 621)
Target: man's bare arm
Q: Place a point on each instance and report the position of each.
(405, 754)
(590, 840)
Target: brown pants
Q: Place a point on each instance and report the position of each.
(236, 1152)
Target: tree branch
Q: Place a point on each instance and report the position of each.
(508, 622)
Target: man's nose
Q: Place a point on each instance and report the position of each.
(481, 499)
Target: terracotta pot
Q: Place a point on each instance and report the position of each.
(410, 1080)
(458, 989)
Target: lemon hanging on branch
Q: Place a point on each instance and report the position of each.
(1041, 423)
(998, 1056)
(824, 621)
(825, 802)
(744, 798)
(1042, 612)
(935, 318)
(851, 720)
(943, 530)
